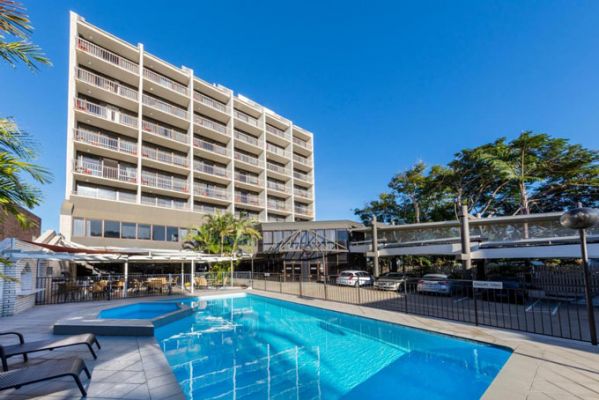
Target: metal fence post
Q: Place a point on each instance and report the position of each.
(474, 293)
(109, 287)
(358, 287)
(300, 286)
(405, 294)
(280, 284)
(326, 297)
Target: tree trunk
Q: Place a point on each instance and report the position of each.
(417, 212)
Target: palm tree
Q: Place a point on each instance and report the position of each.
(15, 31)
(244, 231)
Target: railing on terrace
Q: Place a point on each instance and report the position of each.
(302, 193)
(163, 131)
(165, 82)
(248, 199)
(210, 102)
(247, 138)
(158, 104)
(207, 123)
(211, 191)
(105, 141)
(277, 150)
(209, 146)
(246, 178)
(119, 173)
(106, 84)
(210, 169)
(107, 113)
(108, 195)
(302, 143)
(303, 210)
(516, 305)
(301, 160)
(162, 202)
(277, 168)
(277, 186)
(164, 182)
(164, 156)
(301, 176)
(208, 209)
(277, 205)
(246, 118)
(278, 132)
(246, 158)
(107, 55)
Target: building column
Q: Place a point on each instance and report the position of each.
(126, 277)
(375, 247)
(465, 238)
(182, 276)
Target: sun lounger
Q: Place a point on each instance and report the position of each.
(44, 372)
(23, 348)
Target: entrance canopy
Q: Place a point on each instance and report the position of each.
(306, 244)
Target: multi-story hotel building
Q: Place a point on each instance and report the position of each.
(152, 149)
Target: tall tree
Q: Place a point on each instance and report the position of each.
(409, 187)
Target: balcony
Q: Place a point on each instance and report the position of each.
(302, 144)
(247, 159)
(278, 153)
(248, 179)
(301, 160)
(220, 152)
(213, 107)
(206, 209)
(211, 129)
(165, 82)
(107, 62)
(213, 192)
(249, 139)
(278, 169)
(110, 118)
(248, 199)
(210, 170)
(162, 132)
(103, 141)
(277, 205)
(165, 182)
(302, 177)
(156, 201)
(277, 135)
(111, 91)
(167, 110)
(97, 169)
(248, 119)
(305, 194)
(279, 187)
(303, 210)
(115, 195)
(166, 157)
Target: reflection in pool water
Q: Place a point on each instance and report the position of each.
(253, 347)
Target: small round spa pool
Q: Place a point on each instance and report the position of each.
(139, 311)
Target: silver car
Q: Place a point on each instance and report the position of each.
(434, 283)
(390, 281)
(354, 278)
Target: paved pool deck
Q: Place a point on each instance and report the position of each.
(135, 367)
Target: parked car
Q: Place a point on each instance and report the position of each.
(354, 278)
(434, 283)
(513, 292)
(390, 281)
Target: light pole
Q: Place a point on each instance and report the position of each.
(582, 218)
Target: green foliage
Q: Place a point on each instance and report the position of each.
(532, 173)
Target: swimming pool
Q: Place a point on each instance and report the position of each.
(138, 311)
(255, 347)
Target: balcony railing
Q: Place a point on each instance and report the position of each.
(302, 160)
(247, 159)
(210, 169)
(277, 132)
(277, 205)
(106, 84)
(167, 157)
(246, 118)
(247, 138)
(164, 182)
(107, 113)
(206, 123)
(106, 142)
(108, 195)
(303, 210)
(246, 178)
(248, 199)
(303, 177)
(209, 101)
(277, 150)
(164, 106)
(163, 131)
(106, 55)
(162, 202)
(302, 193)
(277, 168)
(118, 173)
(277, 186)
(209, 146)
(302, 143)
(165, 82)
(208, 209)
(211, 191)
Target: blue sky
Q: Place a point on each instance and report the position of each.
(381, 84)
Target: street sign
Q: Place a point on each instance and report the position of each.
(487, 285)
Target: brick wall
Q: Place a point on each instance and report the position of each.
(10, 227)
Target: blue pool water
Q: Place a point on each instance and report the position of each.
(138, 311)
(257, 348)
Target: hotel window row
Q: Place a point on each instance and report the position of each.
(126, 230)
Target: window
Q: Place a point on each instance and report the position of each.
(78, 227)
(172, 234)
(183, 233)
(267, 237)
(94, 227)
(128, 230)
(158, 232)
(112, 229)
(144, 232)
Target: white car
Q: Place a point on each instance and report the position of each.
(390, 281)
(434, 283)
(354, 278)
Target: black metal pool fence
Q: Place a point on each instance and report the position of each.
(508, 305)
